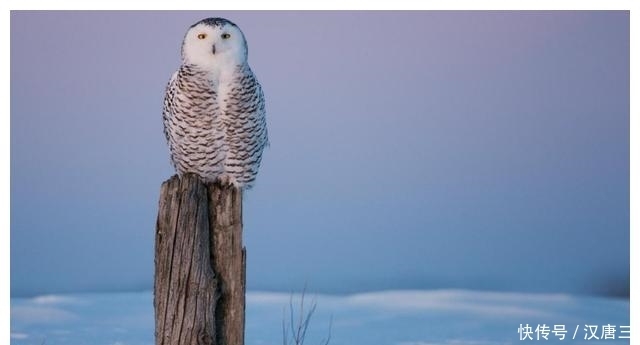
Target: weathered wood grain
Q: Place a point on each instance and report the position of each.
(199, 284)
(225, 214)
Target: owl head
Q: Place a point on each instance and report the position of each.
(214, 43)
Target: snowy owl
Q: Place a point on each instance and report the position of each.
(214, 111)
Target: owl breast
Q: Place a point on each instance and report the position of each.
(215, 128)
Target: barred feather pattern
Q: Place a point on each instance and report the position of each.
(215, 129)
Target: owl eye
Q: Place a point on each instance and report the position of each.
(202, 36)
(225, 36)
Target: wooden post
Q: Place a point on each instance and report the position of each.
(225, 214)
(200, 279)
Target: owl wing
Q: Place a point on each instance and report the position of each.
(261, 117)
(256, 127)
(251, 135)
(168, 108)
(168, 116)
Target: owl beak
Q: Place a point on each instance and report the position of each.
(213, 49)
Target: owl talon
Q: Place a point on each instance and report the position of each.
(225, 180)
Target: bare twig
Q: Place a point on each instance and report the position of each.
(326, 341)
(284, 329)
(298, 332)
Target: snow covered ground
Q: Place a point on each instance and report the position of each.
(447, 317)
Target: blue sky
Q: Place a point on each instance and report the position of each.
(482, 150)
